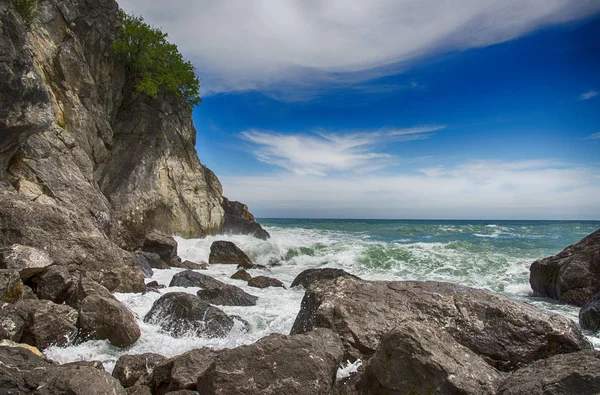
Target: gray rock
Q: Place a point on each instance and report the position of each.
(29, 261)
(227, 295)
(21, 371)
(241, 275)
(28, 293)
(276, 364)
(53, 284)
(417, 358)
(189, 265)
(182, 371)
(264, 282)
(12, 322)
(107, 318)
(136, 369)
(47, 324)
(226, 252)
(138, 390)
(11, 287)
(154, 260)
(505, 333)
(589, 314)
(572, 276)
(190, 278)
(182, 392)
(80, 380)
(576, 373)
(142, 261)
(86, 287)
(310, 276)
(238, 220)
(182, 314)
(160, 243)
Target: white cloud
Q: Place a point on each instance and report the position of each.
(595, 136)
(478, 189)
(321, 152)
(588, 95)
(291, 45)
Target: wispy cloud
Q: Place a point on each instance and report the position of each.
(595, 136)
(588, 95)
(289, 45)
(322, 152)
(474, 189)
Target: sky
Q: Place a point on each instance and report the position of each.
(463, 109)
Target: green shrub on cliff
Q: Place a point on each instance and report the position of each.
(154, 64)
(25, 8)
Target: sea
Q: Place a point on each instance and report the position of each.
(492, 255)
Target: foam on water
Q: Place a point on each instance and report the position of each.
(456, 252)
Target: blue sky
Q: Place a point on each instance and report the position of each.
(486, 110)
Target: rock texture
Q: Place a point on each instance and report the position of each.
(213, 291)
(238, 220)
(53, 284)
(47, 324)
(310, 276)
(589, 314)
(265, 282)
(276, 364)
(107, 318)
(566, 374)
(572, 276)
(28, 261)
(11, 286)
(505, 333)
(226, 252)
(182, 371)
(136, 369)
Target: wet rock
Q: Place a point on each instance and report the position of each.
(505, 333)
(53, 284)
(159, 243)
(241, 275)
(225, 252)
(153, 259)
(572, 276)
(589, 314)
(310, 276)
(138, 390)
(136, 369)
(21, 371)
(182, 371)
(46, 323)
(86, 287)
(107, 318)
(29, 261)
(189, 265)
(244, 324)
(80, 380)
(189, 278)
(142, 261)
(276, 364)
(264, 282)
(227, 295)
(238, 220)
(180, 314)
(9, 343)
(419, 359)
(11, 287)
(576, 373)
(155, 285)
(12, 322)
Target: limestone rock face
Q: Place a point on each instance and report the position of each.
(572, 276)
(505, 333)
(276, 364)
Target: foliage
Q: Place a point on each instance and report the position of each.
(62, 124)
(25, 8)
(155, 64)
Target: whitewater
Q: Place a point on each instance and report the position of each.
(492, 255)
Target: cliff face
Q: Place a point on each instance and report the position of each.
(82, 175)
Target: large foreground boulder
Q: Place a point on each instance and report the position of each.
(183, 314)
(572, 276)
(505, 333)
(136, 369)
(182, 371)
(565, 374)
(77, 379)
(418, 359)
(310, 276)
(46, 323)
(276, 364)
(29, 261)
(21, 371)
(107, 318)
(226, 252)
(213, 291)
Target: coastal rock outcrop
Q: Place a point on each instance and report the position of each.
(238, 220)
(136, 369)
(276, 364)
(589, 314)
(226, 252)
(181, 372)
(310, 276)
(505, 333)
(28, 261)
(157, 242)
(572, 276)
(180, 313)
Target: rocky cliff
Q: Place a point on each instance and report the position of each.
(86, 168)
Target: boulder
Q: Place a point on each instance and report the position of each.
(576, 373)
(159, 243)
(276, 364)
(53, 284)
(572, 276)
(107, 318)
(142, 261)
(86, 287)
(138, 390)
(11, 287)
(226, 252)
(29, 261)
(189, 278)
(504, 332)
(182, 392)
(238, 220)
(28, 293)
(9, 343)
(213, 291)
(589, 314)
(21, 371)
(183, 314)
(46, 323)
(264, 282)
(153, 259)
(415, 358)
(182, 371)
(310, 276)
(241, 275)
(12, 322)
(77, 379)
(155, 285)
(189, 265)
(136, 369)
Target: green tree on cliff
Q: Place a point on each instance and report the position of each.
(155, 65)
